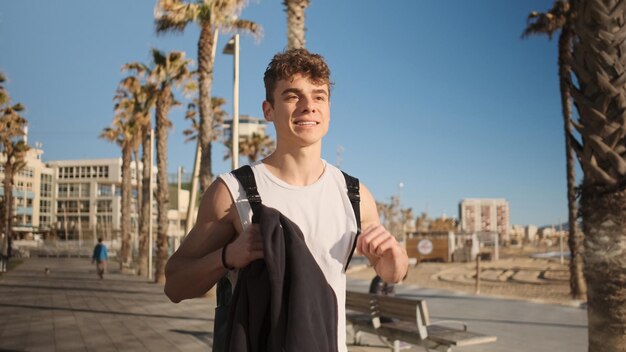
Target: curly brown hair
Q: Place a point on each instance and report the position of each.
(295, 61)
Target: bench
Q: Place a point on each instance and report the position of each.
(410, 323)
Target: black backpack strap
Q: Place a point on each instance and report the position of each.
(245, 176)
(355, 199)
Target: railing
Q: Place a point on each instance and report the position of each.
(57, 249)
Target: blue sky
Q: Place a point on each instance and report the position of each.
(442, 96)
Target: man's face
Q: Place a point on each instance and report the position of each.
(301, 111)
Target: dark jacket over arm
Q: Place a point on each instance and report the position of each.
(282, 303)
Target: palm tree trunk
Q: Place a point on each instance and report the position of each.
(605, 263)
(126, 190)
(578, 288)
(145, 205)
(8, 196)
(162, 109)
(138, 188)
(206, 58)
(295, 23)
(599, 61)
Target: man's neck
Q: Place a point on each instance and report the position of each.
(300, 168)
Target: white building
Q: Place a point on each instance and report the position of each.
(32, 195)
(248, 125)
(485, 215)
(81, 200)
(517, 233)
(88, 196)
(531, 233)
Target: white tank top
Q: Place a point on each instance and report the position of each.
(323, 212)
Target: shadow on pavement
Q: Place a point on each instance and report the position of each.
(203, 336)
(79, 310)
(70, 288)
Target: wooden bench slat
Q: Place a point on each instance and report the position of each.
(456, 337)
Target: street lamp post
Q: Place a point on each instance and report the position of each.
(64, 208)
(150, 240)
(80, 225)
(232, 48)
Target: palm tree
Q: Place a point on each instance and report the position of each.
(192, 134)
(210, 15)
(171, 70)
(139, 97)
(559, 17)
(598, 63)
(13, 147)
(123, 132)
(295, 23)
(254, 146)
(217, 117)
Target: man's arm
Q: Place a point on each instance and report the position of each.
(197, 264)
(385, 254)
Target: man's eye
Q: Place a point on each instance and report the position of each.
(292, 97)
(320, 98)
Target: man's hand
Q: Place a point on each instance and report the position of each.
(245, 249)
(384, 253)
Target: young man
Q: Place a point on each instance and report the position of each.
(294, 180)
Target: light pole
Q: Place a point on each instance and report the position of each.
(80, 225)
(64, 208)
(150, 241)
(232, 48)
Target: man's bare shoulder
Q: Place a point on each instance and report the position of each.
(215, 225)
(369, 213)
(216, 204)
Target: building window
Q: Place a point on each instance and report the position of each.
(85, 172)
(84, 190)
(44, 220)
(103, 171)
(28, 173)
(104, 221)
(63, 188)
(44, 206)
(104, 206)
(75, 190)
(46, 185)
(105, 190)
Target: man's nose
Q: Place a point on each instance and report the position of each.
(307, 104)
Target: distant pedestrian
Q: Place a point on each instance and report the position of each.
(5, 252)
(100, 256)
(380, 287)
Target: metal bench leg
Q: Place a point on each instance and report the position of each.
(357, 337)
(439, 348)
(396, 345)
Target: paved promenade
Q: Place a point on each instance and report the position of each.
(70, 309)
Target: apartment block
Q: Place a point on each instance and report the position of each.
(32, 194)
(485, 215)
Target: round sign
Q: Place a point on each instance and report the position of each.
(425, 247)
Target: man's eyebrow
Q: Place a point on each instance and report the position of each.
(320, 91)
(299, 91)
(291, 90)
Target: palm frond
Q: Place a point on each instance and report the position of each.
(244, 27)
(138, 68)
(174, 15)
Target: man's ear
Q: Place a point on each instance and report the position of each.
(268, 111)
